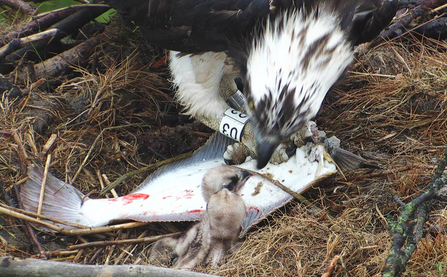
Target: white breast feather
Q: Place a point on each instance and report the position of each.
(278, 56)
(197, 78)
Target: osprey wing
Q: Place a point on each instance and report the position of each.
(366, 19)
(192, 26)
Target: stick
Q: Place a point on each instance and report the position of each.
(378, 174)
(18, 5)
(72, 232)
(60, 253)
(49, 144)
(295, 195)
(42, 217)
(41, 22)
(120, 242)
(23, 157)
(331, 267)
(60, 63)
(71, 9)
(12, 267)
(21, 42)
(42, 186)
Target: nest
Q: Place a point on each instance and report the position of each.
(114, 114)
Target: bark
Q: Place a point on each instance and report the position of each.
(10, 267)
(18, 5)
(59, 64)
(37, 24)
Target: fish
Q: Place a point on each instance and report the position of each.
(173, 192)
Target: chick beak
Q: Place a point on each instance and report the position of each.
(244, 176)
(264, 151)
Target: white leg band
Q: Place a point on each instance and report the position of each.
(233, 123)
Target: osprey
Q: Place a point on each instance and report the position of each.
(289, 54)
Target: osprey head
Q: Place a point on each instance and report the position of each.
(290, 66)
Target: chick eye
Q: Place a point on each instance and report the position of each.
(232, 184)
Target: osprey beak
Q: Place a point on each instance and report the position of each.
(264, 151)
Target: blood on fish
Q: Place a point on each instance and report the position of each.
(253, 208)
(127, 199)
(195, 211)
(189, 193)
(167, 197)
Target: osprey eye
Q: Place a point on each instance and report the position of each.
(251, 105)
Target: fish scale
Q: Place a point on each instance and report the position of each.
(173, 193)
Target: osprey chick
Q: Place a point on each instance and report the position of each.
(289, 53)
(209, 241)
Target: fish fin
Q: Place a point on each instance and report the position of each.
(349, 161)
(252, 216)
(212, 149)
(61, 201)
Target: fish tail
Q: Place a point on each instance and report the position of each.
(349, 161)
(61, 201)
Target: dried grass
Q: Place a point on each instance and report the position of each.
(392, 108)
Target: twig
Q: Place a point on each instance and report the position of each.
(30, 219)
(408, 229)
(40, 22)
(295, 195)
(21, 42)
(107, 182)
(120, 242)
(331, 267)
(71, 9)
(396, 28)
(60, 63)
(123, 251)
(96, 255)
(78, 256)
(104, 229)
(49, 144)
(18, 5)
(42, 186)
(23, 157)
(440, 8)
(60, 253)
(28, 227)
(33, 238)
(31, 214)
(87, 156)
(385, 172)
(71, 232)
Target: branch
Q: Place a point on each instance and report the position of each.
(120, 242)
(18, 5)
(59, 64)
(41, 22)
(10, 267)
(396, 29)
(408, 229)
